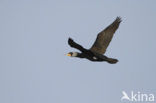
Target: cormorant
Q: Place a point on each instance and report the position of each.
(95, 53)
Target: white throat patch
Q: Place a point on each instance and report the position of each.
(74, 54)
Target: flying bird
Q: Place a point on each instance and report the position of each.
(95, 53)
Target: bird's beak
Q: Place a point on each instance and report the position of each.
(68, 54)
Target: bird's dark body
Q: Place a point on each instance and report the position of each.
(92, 56)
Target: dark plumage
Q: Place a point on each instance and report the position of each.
(95, 53)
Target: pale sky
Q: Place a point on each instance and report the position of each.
(33, 41)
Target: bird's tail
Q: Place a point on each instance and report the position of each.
(111, 60)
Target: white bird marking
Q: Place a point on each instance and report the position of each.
(94, 58)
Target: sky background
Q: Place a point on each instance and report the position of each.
(33, 41)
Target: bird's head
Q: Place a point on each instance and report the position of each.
(72, 54)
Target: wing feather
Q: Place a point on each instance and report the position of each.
(76, 45)
(104, 37)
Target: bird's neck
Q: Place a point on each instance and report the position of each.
(80, 55)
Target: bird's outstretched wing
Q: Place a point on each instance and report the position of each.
(75, 45)
(104, 37)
